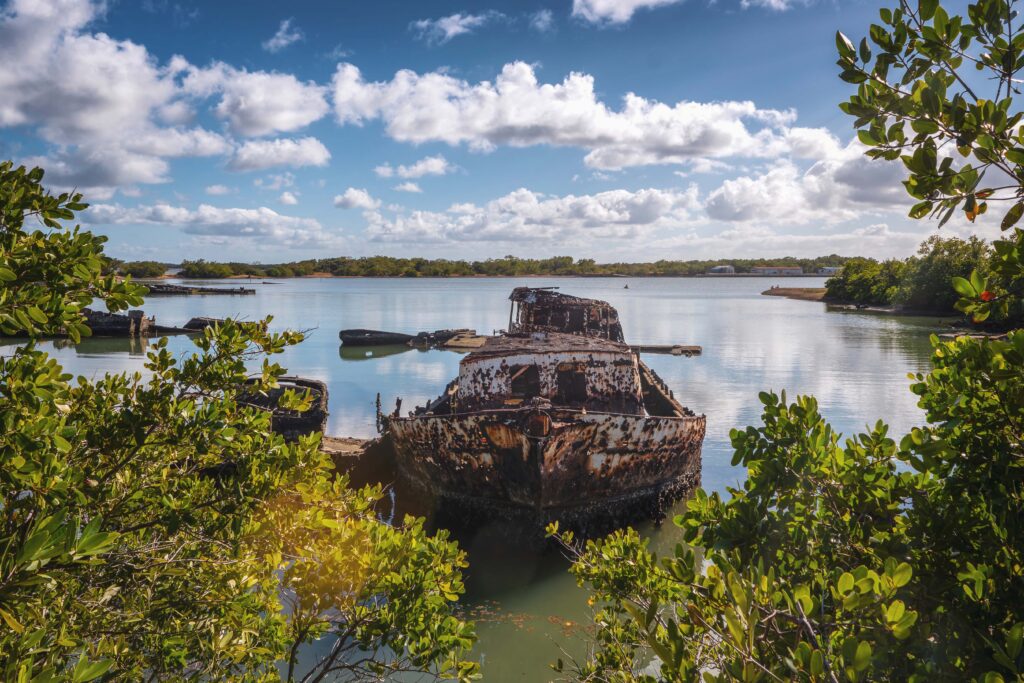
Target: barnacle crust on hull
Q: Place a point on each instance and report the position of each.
(555, 420)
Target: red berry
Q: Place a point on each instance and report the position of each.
(987, 296)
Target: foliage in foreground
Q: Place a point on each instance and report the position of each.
(157, 529)
(875, 558)
(863, 560)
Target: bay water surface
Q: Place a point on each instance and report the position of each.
(526, 605)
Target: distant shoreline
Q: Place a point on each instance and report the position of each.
(818, 294)
(174, 276)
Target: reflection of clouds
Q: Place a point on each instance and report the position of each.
(855, 364)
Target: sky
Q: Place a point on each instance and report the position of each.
(619, 130)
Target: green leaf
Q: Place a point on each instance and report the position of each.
(817, 663)
(844, 46)
(865, 50)
(901, 576)
(964, 288)
(1016, 155)
(36, 314)
(86, 670)
(95, 543)
(735, 628)
(868, 138)
(924, 126)
(1012, 216)
(862, 659)
(921, 209)
(977, 282)
(927, 8)
(11, 621)
(895, 611)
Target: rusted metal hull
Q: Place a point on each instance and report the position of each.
(550, 464)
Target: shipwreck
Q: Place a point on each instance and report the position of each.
(291, 424)
(555, 419)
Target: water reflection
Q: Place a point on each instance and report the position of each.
(105, 346)
(373, 352)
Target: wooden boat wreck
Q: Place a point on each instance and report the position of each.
(165, 289)
(292, 424)
(557, 419)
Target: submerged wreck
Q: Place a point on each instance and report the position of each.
(133, 324)
(164, 289)
(556, 419)
(289, 423)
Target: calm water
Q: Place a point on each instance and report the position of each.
(527, 606)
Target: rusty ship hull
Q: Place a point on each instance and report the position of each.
(556, 419)
(551, 464)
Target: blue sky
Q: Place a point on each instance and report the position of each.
(610, 129)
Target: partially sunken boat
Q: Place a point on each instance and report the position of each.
(556, 419)
(289, 423)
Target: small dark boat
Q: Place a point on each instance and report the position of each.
(373, 338)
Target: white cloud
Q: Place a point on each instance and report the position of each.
(98, 173)
(258, 103)
(527, 215)
(337, 53)
(217, 190)
(435, 165)
(256, 155)
(288, 198)
(440, 31)
(408, 187)
(285, 36)
(776, 5)
(519, 111)
(613, 11)
(113, 112)
(842, 185)
(542, 21)
(702, 166)
(876, 240)
(275, 181)
(262, 225)
(355, 198)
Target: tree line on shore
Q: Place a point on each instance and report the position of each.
(389, 266)
(920, 282)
